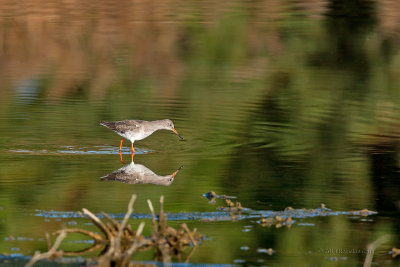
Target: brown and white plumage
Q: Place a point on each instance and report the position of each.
(138, 129)
(139, 174)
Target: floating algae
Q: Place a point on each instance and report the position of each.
(235, 211)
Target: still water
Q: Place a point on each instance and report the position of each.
(281, 103)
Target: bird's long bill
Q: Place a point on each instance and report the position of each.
(173, 129)
(175, 172)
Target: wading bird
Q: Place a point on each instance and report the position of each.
(138, 129)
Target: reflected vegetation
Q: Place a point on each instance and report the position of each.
(139, 174)
(283, 103)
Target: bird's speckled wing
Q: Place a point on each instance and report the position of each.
(123, 126)
(137, 174)
(121, 175)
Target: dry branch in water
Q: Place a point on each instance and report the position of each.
(51, 253)
(371, 249)
(120, 242)
(168, 241)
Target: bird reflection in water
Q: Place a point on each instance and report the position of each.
(139, 174)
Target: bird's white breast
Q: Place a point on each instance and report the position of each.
(137, 135)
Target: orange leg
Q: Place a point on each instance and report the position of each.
(120, 158)
(120, 145)
(120, 154)
(133, 150)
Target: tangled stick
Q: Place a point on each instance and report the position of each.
(120, 242)
(371, 249)
(168, 241)
(52, 251)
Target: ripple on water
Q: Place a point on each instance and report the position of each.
(85, 150)
(220, 215)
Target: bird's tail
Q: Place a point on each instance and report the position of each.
(109, 124)
(110, 176)
(105, 123)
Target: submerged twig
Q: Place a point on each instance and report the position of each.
(162, 219)
(97, 238)
(153, 216)
(98, 223)
(184, 226)
(371, 249)
(190, 254)
(123, 225)
(52, 251)
(113, 222)
(48, 240)
(127, 216)
(121, 241)
(136, 244)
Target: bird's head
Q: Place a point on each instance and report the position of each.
(169, 125)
